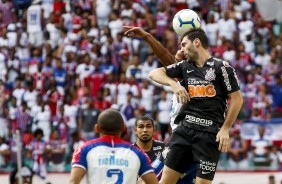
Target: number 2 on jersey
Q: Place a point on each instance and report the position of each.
(117, 172)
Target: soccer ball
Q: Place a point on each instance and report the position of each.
(184, 20)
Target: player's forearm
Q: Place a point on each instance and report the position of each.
(159, 75)
(163, 54)
(73, 181)
(76, 175)
(233, 111)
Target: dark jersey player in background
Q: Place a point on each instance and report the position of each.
(144, 130)
(203, 129)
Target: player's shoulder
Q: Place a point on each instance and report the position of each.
(183, 62)
(105, 142)
(218, 62)
(157, 143)
(92, 143)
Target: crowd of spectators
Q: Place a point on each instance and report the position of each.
(62, 62)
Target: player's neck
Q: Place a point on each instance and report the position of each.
(145, 146)
(204, 55)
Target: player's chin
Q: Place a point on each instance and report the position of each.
(145, 138)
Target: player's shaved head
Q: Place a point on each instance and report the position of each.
(110, 121)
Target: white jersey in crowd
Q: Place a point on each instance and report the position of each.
(111, 160)
(30, 97)
(34, 19)
(42, 121)
(147, 98)
(164, 108)
(103, 8)
(123, 89)
(71, 112)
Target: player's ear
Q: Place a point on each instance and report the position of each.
(97, 128)
(197, 42)
(135, 128)
(124, 129)
(154, 128)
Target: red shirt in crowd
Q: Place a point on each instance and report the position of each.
(53, 98)
(95, 82)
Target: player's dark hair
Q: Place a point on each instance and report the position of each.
(144, 118)
(38, 131)
(110, 121)
(192, 34)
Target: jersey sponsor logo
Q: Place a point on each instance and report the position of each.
(198, 121)
(210, 75)
(157, 148)
(189, 71)
(165, 152)
(194, 81)
(201, 90)
(207, 167)
(226, 79)
(112, 160)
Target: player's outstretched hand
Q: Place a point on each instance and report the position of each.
(224, 140)
(135, 32)
(181, 94)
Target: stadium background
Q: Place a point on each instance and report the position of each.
(59, 69)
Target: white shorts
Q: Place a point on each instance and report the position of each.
(35, 38)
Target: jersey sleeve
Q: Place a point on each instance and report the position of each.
(174, 70)
(79, 158)
(229, 77)
(145, 166)
(158, 166)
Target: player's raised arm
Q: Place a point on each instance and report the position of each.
(165, 57)
(159, 75)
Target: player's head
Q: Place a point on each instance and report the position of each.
(144, 128)
(110, 122)
(38, 133)
(191, 41)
